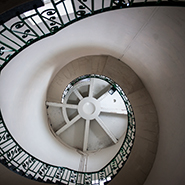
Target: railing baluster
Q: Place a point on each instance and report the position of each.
(132, 1)
(14, 34)
(92, 5)
(2, 131)
(2, 59)
(8, 46)
(23, 154)
(11, 40)
(7, 144)
(77, 177)
(16, 154)
(54, 175)
(111, 4)
(21, 164)
(43, 20)
(37, 172)
(60, 18)
(102, 5)
(63, 169)
(37, 25)
(33, 162)
(73, 4)
(80, 1)
(66, 11)
(24, 22)
(48, 168)
(52, 168)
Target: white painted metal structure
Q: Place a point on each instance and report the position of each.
(93, 111)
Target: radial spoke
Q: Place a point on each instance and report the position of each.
(103, 96)
(109, 133)
(77, 93)
(91, 88)
(65, 127)
(53, 104)
(71, 106)
(114, 110)
(86, 135)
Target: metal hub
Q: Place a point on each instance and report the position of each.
(89, 108)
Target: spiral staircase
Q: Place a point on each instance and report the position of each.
(92, 92)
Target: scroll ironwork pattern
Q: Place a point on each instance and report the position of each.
(24, 31)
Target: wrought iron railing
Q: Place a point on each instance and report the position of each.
(29, 27)
(13, 156)
(25, 29)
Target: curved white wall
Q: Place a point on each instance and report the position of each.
(150, 40)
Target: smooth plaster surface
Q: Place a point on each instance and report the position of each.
(151, 41)
(146, 139)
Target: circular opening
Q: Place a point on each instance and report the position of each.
(92, 114)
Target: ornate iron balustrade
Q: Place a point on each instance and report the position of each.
(27, 28)
(13, 156)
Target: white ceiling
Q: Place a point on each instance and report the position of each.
(152, 42)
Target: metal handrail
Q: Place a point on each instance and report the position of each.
(13, 156)
(23, 30)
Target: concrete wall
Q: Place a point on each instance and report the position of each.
(149, 40)
(145, 146)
